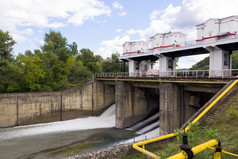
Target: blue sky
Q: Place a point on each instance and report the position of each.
(103, 26)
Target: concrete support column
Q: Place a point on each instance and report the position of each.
(133, 104)
(132, 67)
(123, 101)
(167, 66)
(169, 108)
(220, 62)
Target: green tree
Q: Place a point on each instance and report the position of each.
(32, 72)
(73, 49)
(235, 59)
(112, 64)
(78, 73)
(6, 44)
(57, 44)
(204, 64)
(93, 63)
(10, 77)
(201, 65)
(55, 72)
(10, 73)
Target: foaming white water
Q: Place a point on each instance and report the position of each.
(106, 120)
(109, 112)
(149, 135)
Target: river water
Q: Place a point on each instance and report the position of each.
(60, 139)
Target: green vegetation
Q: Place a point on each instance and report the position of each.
(204, 64)
(201, 65)
(223, 128)
(57, 66)
(112, 64)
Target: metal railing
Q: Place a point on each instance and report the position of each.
(189, 152)
(140, 146)
(226, 73)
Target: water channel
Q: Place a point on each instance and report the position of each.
(60, 139)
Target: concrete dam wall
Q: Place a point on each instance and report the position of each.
(31, 108)
(135, 100)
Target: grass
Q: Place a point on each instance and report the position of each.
(224, 128)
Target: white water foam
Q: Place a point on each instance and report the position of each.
(106, 120)
(149, 135)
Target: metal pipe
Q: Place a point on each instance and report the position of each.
(212, 104)
(196, 149)
(136, 145)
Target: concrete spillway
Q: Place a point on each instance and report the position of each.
(106, 120)
(46, 140)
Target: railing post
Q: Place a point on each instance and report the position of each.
(143, 147)
(185, 147)
(218, 151)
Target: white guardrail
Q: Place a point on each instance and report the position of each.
(229, 73)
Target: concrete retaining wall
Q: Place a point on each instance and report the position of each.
(30, 108)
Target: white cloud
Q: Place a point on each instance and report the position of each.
(47, 13)
(184, 18)
(122, 13)
(108, 47)
(138, 31)
(154, 14)
(116, 5)
(119, 30)
(187, 62)
(101, 21)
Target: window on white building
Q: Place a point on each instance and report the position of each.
(226, 59)
(170, 63)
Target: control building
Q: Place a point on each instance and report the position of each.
(218, 37)
(167, 40)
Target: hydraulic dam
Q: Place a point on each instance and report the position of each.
(176, 100)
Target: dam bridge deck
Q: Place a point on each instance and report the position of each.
(198, 76)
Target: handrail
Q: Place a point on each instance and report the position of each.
(196, 149)
(225, 152)
(136, 145)
(225, 73)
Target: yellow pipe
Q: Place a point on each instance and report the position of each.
(217, 155)
(196, 149)
(136, 145)
(228, 153)
(223, 151)
(212, 104)
(143, 147)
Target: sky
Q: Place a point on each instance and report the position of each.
(104, 25)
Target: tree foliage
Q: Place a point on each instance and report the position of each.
(235, 60)
(201, 65)
(6, 44)
(204, 64)
(112, 64)
(93, 63)
(10, 77)
(55, 67)
(32, 71)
